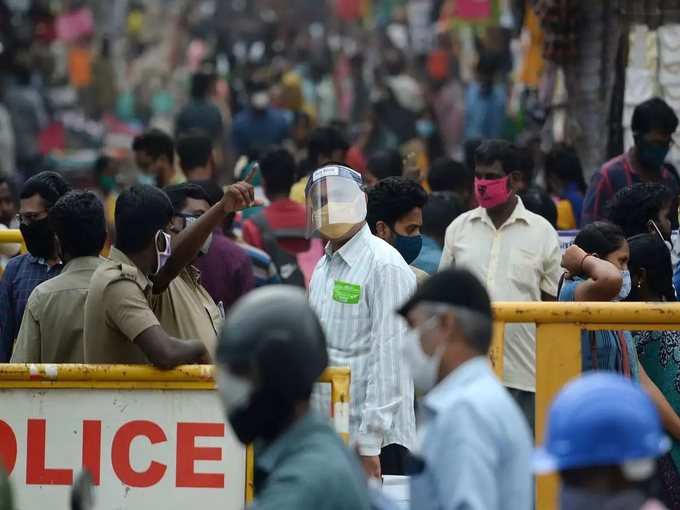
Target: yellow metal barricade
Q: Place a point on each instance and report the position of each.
(11, 236)
(140, 377)
(558, 349)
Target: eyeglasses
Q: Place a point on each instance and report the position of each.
(186, 220)
(28, 218)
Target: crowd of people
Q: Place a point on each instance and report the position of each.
(399, 276)
(347, 208)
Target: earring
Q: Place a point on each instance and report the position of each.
(639, 285)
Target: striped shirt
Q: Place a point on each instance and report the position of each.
(355, 292)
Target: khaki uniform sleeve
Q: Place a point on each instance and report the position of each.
(128, 309)
(27, 346)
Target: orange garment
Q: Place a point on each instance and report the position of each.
(80, 67)
(532, 66)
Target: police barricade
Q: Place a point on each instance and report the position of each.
(149, 438)
(558, 349)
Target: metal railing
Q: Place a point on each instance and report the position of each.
(558, 349)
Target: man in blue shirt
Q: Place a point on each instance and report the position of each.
(26, 272)
(441, 209)
(259, 125)
(476, 446)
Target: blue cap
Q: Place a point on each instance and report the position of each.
(597, 420)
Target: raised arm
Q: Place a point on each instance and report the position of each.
(186, 245)
(602, 279)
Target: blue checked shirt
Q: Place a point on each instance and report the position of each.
(22, 274)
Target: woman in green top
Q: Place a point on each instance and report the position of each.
(658, 351)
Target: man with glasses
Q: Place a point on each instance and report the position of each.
(185, 309)
(476, 446)
(120, 325)
(26, 272)
(653, 125)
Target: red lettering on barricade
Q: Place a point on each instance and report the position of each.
(120, 454)
(92, 448)
(188, 453)
(36, 472)
(8, 447)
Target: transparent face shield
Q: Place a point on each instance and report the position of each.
(335, 202)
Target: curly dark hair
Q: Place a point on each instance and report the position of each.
(633, 207)
(78, 220)
(393, 198)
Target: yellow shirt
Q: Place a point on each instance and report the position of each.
(117, 311)
(297, 192)
(515, 262)
(52, 327)
(186, 310)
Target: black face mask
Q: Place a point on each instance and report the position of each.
(39, 239)
(265, 416)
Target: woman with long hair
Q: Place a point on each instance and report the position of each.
(658, 351)
(597, 270)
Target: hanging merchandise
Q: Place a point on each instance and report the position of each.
(465, 12)
(532, 47)
(472, 10)
(75, 24)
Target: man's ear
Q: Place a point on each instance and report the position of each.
(516, 181)
(382, 230)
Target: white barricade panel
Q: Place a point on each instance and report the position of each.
(147, 448)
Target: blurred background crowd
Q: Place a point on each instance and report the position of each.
(387, 86)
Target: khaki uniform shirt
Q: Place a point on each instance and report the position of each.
(117, 310)
(52, 327)
(186, 310)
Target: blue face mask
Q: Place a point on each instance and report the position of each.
(651, 156)
(625, 287)
(408, 246)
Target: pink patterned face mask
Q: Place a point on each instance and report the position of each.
(492, 192)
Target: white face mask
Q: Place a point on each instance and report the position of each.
(234, 391)
(424, 368)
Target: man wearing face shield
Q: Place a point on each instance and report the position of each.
(355, 288)
(476, 445)
(270, 353)
(185, 309)
(120, 326)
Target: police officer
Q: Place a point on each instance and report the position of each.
(604, 438)
(271, 351)
(120, 325)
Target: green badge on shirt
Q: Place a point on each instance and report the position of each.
(347, 293)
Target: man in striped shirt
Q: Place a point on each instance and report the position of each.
(355, 289)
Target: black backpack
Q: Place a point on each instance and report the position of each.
(286, 263)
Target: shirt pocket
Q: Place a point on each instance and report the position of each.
(525, 270)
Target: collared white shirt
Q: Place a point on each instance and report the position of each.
(476, 445)
(365, 334)
(515, 262)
